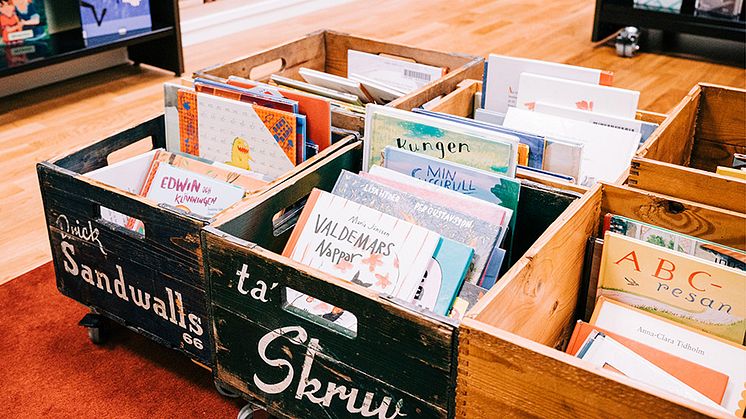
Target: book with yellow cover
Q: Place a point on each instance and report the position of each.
(731, 172)
(697, 293)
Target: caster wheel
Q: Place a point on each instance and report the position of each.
(96, 335)
(251, 411)
(225, 392)
(97, 327)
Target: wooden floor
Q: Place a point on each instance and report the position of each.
(52, 120)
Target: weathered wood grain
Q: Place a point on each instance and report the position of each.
(690, 184)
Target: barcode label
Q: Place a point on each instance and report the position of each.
(410, 74)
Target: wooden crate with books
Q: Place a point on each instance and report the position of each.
(348, 305)
(664, 338)
(350, 71)
(566, 117)
(124, 214)
(699, 152)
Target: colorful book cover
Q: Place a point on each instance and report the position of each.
(227, 174)
(707, 381)
(188, 122)
(360, 245)
(22, 21)
(689, 245)
(502, 77)
(463, 228)
(696, 293)
(316, 109)
(681, 341)
(444, 276)
(190, 192)
(245, 135)
(535, 143)
(446, 140)
(114, 17)
(467, 297)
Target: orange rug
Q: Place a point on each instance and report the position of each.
(49, 368)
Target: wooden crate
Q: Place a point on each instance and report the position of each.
(152, 283)
(508, 364)
(460, 102)
(702, 132)
(400, 353)
(326, 51)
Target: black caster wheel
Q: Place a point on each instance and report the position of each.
(226, 392)
(251, 411)
(95, 324)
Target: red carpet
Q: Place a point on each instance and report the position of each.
(49, 368)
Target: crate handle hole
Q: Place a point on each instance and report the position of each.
(327, 315)
(263, 71)
(132, 150)
(131, 225)
(285, 219)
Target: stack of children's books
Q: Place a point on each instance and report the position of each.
(737, 169)
(572, 125)
(428, 221)
(667, 309)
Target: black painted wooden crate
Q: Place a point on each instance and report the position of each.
(165, 265)
(401, 358)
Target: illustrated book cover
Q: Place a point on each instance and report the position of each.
(23, 22)
(114, 17)
(444, 276)
(360, 245)
(463, 228)
(446, 140)
(697, 293)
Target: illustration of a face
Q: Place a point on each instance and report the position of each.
(241, 154)
(22, 5)
(7, 8)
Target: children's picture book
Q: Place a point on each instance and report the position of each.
(565, 157)
(464, 228)
(114, 17)
(701, 348)
(190, 192)
(244, 179)
(380, 93)
(316, 90)
(446, 140)
(597, 118)
(612, 101)
(697, 293)
(481, 184)
(689, 245)
(607, 152)
(444, 276)
(704, 380)
(502, 78)
(534, 143)
(731, 172)
(360, 245)
(316, 109)
(467, 298)
(245, 135)
(331, 81)
(398, 74)
(607, 353)
(22, 21)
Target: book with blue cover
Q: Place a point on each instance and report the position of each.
(444, 276)
(22, 22)
(535, 143)
(114, 17)
(467, 229)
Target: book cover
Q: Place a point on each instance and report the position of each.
(360, 245)
(191, 192)
(607, 353)
(576, 95)
(534, 143)
(707, 381)
(401, 75)
(463, 228)
(444, 276)
(245, 135)
(597, 118)
(445, 140)
(681, 341)
(689, 245)
(502, 78)
(331, 81)
(23, 21)
(696, 293)
(316, 109)
(564, 157)
(228, 174)
(114, 17)
(188, 122)
(467, 297)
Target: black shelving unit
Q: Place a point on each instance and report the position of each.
(612, 15)
(159, 46)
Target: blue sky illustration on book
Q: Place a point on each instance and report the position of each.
(114, 17)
